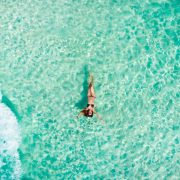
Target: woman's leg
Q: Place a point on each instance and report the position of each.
(91, 91)
(91, 88)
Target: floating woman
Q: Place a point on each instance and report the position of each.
(89, 111)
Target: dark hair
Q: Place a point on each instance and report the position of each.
(87, 113)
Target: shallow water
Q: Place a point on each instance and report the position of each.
(10, 165)
(47, 49)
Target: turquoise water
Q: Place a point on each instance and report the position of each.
(10, 165)
(47, 49)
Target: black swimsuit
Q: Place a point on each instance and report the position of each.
(92, 105)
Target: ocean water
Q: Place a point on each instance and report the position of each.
(47, 50)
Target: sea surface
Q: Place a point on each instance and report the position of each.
(47, 50)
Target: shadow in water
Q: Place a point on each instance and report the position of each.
(11, 106)
(83, 101)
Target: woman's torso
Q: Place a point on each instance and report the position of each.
(91, 100)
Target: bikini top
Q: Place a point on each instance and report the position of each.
(92, 105)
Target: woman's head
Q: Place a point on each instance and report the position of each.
(89, 113)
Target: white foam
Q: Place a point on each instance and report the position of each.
(9, 140)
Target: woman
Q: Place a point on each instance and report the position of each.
(89, 111)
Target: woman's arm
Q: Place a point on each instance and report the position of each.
(81, 113)
(98, 116)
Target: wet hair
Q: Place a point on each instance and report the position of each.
(87, 113)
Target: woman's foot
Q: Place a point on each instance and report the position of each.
(91, 79)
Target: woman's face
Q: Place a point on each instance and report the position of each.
(90, 112)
